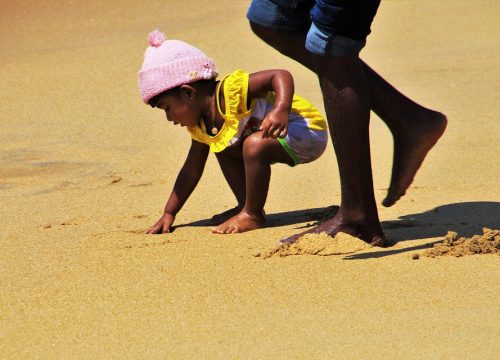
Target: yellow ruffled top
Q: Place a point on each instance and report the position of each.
(235, 89)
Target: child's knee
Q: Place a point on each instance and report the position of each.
(254, 147)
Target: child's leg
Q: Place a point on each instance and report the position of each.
(233, 168)
(258, 155)
(415, 129)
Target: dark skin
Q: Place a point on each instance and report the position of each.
(246, 165)
(350, 90)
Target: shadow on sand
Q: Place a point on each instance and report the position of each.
(316, 216)
(467, 219)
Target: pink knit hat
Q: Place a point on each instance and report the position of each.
(171, 63)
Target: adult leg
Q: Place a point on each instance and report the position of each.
(415, 129)
(346, 100)
(258, 155)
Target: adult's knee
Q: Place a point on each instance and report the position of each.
(268, 35)
(258, 30)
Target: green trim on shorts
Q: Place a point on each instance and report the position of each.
(289, 151)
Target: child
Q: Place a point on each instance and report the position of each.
(249, 121)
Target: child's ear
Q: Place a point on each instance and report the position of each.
(189, 91)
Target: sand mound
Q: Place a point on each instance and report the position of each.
(318, 244)
(488, 243)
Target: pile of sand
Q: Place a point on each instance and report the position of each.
(488, 243)
(318, 244)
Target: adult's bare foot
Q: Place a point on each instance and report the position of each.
(239, 223)
(332, 227)
(410, 148)
(218, 219)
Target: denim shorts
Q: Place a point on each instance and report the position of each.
(334, 27)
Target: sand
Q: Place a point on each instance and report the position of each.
(452, 244)
(318, 244)
(86, 167)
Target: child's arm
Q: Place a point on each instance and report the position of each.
(260, 83)
(186, 181)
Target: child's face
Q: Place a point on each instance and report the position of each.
(179, 108)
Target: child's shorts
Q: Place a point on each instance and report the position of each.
(302, 143)
(335, 27)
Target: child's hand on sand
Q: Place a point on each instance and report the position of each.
(162, 226)
(275, 124)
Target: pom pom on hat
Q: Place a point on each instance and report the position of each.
(156, 38)
(171, 63)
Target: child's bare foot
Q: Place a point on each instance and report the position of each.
(371, 234)
(218, 219)
(240, 223)
(410, 148)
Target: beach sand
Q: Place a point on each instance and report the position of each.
(86, 167)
